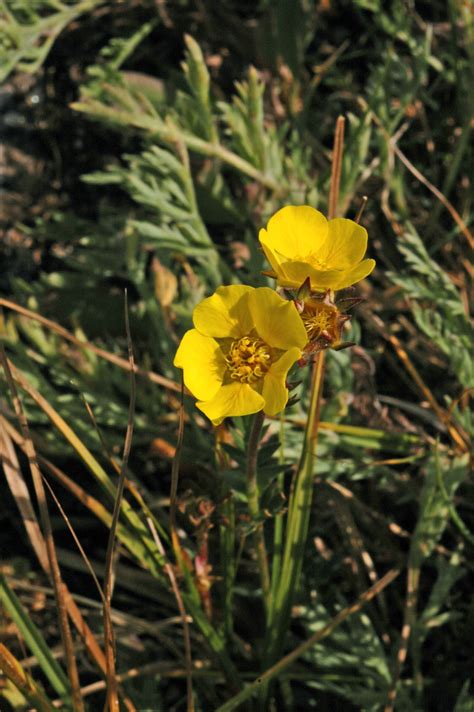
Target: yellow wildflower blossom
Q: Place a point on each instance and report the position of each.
(299, 243)
(236, 359)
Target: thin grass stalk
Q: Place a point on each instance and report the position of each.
(177, 549)
(77, 542)
(254, 507)
(443, 200)
(88, 346)
(184, 618)
(109, 643)
(21, 495)
(418, 175)
(175, 467)
(368, 435)
(139, 540)
(164, 670)
(103, 515)
(92, 646)
(336, 167)
(263, 679)
(409, 620)
(129, 484)
(54, 572)
(92, 504)
(360, 212)
(443, 416)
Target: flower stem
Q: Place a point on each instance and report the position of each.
(297, 525)
(279, 530)
(254, 506)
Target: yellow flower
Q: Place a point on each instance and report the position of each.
(299, 243)
(236, 359)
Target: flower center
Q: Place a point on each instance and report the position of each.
(317, 263)
(248, 359)
(317, 321)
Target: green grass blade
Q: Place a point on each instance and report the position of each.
(140, 538)
(34, 641)
(24, 682)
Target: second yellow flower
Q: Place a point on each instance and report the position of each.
(236, 359)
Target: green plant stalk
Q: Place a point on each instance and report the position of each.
(35, 641)
(254, 507)
(297, 526)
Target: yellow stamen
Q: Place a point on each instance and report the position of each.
(317, 263)
(248, 359)
(314, 261)
(315, 324)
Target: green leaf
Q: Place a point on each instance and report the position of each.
(437, 306)
(35, 641)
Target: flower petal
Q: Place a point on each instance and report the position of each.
(275, 391)
(273, 257)
(295, 273)
(296, 231)
(225, 313)
(203, 364)
(354, 275)
(276, 320)
(232, 400)
(345, 245)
